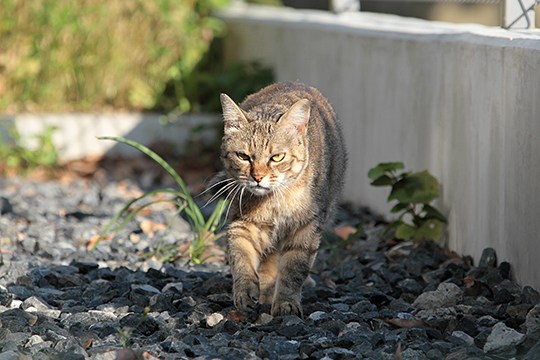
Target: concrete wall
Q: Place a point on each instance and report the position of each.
(460, 100)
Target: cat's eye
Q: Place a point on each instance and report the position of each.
(278, 157)
(242, 156)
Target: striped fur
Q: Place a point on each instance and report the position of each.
(284, 162)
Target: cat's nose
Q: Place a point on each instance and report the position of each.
(258, 178)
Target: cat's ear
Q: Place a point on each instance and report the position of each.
(233, 117)
(297, 116)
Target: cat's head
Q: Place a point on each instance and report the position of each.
(265, 149)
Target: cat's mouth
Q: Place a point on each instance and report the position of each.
(259, 190)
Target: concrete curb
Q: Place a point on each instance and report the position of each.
(76, 135)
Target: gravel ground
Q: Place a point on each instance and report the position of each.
(373, 299)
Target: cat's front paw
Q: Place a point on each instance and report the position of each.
(246, 296)
(288, 307)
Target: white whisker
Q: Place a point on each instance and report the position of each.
(233, 192)
(214, 185)
(279, 191)
(220, 192)
(285, 189)
(241, 195)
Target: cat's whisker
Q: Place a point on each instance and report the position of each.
(286, 190)
(241, 195)
(214, 185)
(217, 195)
(279, 191)
(221, 192)
(277, 195)
(284, 194)
(233, 192)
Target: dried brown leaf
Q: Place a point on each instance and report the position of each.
(150, 227)
(405, 323)
(468, 281)
(236, 316)
(328, 282)
(345, 231)
(134, 238)
(126, 354)
(398, 355)
(147, 356)
(94, 239)
(183, 248)
(88, 343)
(214, 255)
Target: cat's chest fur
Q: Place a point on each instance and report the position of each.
(283, 211)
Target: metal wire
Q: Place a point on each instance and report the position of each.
(524, 14)
(524, 10)
(439, 1)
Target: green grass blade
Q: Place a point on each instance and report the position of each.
(125, 209)
(196, 226)
(215, 218)
(134, 212)
(195, 211)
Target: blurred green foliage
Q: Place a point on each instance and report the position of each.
(266, 2)
(18, 157)
(200, 90)
(63, 55)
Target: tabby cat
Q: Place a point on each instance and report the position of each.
(284, 162)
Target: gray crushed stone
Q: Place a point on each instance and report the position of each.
(373, 299)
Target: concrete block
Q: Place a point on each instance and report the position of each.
(76, 135)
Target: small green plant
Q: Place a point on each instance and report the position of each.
(205, 230)
(18, 157)
(414, 192)
(167, 253)
(127, 332)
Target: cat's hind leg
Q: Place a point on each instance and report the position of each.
(295, 260)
